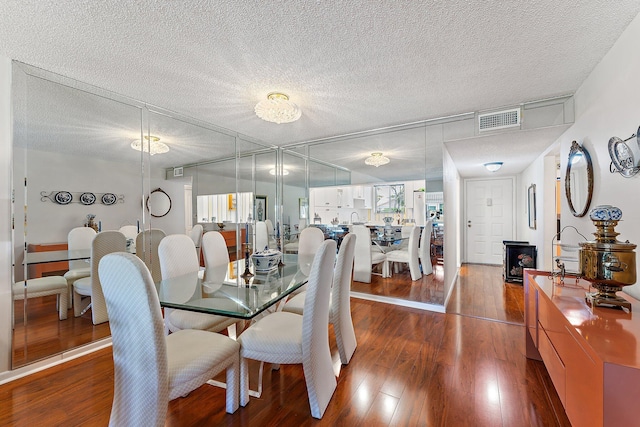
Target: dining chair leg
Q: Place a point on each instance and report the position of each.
(233, 385)
(245, 392)
(232, 331)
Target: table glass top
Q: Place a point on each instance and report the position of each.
(224, 291)
(56, 256)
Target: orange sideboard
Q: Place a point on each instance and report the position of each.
(37, 270)
(592, 354)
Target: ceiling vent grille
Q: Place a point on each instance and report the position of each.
(178, 172)
(499, 120)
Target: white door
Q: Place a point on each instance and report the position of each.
(489, 219)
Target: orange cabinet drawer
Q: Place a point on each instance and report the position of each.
(549, 316)
(553, 363)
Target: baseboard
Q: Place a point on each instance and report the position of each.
(41, 365)
(401, 302)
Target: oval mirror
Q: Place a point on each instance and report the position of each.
(578, 181)
(158, 203)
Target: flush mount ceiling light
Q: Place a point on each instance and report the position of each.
(277, 109)
(376, 159)
(284, 172)
(493, 166)
(151, 145)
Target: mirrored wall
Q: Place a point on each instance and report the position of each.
(330, 185)
(87, 158)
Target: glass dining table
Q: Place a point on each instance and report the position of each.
(226, 291)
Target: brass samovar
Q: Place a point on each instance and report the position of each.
(607, 263)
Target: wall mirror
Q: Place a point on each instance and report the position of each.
(578, 181)
(67, 138)
(158, 203)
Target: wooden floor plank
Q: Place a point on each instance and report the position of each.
(411, 367)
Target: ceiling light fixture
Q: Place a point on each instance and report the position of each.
(376, 159)
(151, 144)
(284, 172)
(277, 109)
(493, 166)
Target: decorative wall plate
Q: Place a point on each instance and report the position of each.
(63, 197)
(622, 157)
(109, 199)
(87, 198)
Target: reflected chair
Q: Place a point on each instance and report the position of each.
(149, 368)
(292, 246)
(42, 287)
(288, 338)
(129, 231)
(196, 236)
(261, 240)
(340, 309)
(271, 234)
(79, 238)
(425, 249)
(408, 256)
(147, 243)
(103, 244)
(366, 257)
(178, 257)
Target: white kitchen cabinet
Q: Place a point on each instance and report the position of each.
(345, 197)
(367, 193)
(325, 197)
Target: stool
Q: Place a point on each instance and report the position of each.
(42, 287)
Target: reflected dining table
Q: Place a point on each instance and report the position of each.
(226, 292)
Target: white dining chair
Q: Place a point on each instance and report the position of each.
(178, 256)
(196, 236)
(147, 243)
(261, 240)
(79, 238)
(425, 249)
(89, 288)
(365, 257)
(149, 368)
(408, 256)
(288, 338)
(309, 242)
(216, 264)
(340, 307)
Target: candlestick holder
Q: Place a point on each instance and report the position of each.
(278, 241)
(247, 251)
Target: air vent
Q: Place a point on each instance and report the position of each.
(178, 172)
(499, 120)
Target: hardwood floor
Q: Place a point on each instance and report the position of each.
(411, 367)
(45, 335)
(429, 289)
(477, 294)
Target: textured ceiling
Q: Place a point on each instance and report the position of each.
(350, 66)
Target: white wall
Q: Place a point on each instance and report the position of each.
(453, 222)
(607, 105)
(542, 173)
